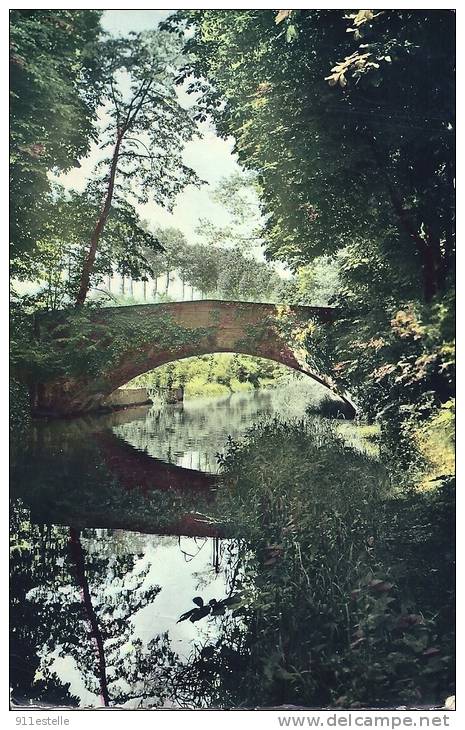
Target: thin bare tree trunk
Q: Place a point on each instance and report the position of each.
(100, 225)
(132, 112)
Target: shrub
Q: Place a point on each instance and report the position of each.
(332, 610)
(198, 387)
(330, 407)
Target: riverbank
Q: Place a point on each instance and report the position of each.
(199, 388)
(330, 560)
(337, 560)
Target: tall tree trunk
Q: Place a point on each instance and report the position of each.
(155, 288)
(183, 288)
(144, 290)
(122, 284)
(131, 287)
(79, 561)
(100, 225)
(426, 248)
(167, 282)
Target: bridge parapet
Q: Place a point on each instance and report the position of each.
(121, 343)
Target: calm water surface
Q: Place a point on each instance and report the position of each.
(112, 541)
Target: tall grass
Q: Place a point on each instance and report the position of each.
(333, 608)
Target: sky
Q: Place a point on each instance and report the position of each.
(211, 157)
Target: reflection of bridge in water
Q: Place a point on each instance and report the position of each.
(146, 453)
(137, 447)
(136, 470)
(59, 446)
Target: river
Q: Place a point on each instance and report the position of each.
(113, 537)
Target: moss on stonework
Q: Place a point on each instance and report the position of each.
(84, 352)
(86, 343)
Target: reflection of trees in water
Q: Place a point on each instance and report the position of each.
(36, 558)
(95, 632)
(191, 435)
(213, 677)
(99, 605)
(107, 543)
(79, 604)
(198, 681)
(74, 605)
(218, 671)
(76, 600)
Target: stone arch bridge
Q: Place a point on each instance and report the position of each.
(108, 347)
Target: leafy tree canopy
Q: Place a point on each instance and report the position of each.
(126, 247)
(55, 92)
(145, 133)
(348, 119)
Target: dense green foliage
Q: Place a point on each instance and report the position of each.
(402, 370)
(381, 163)
(347, 120)
(55, 93)
(334, 574)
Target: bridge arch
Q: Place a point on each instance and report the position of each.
(137, 339)
(285, 361)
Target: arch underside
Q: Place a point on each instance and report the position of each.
(87, 395)
(283, 356)
(129, 372)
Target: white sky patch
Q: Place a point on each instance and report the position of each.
(121, 22)
(212, 159)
